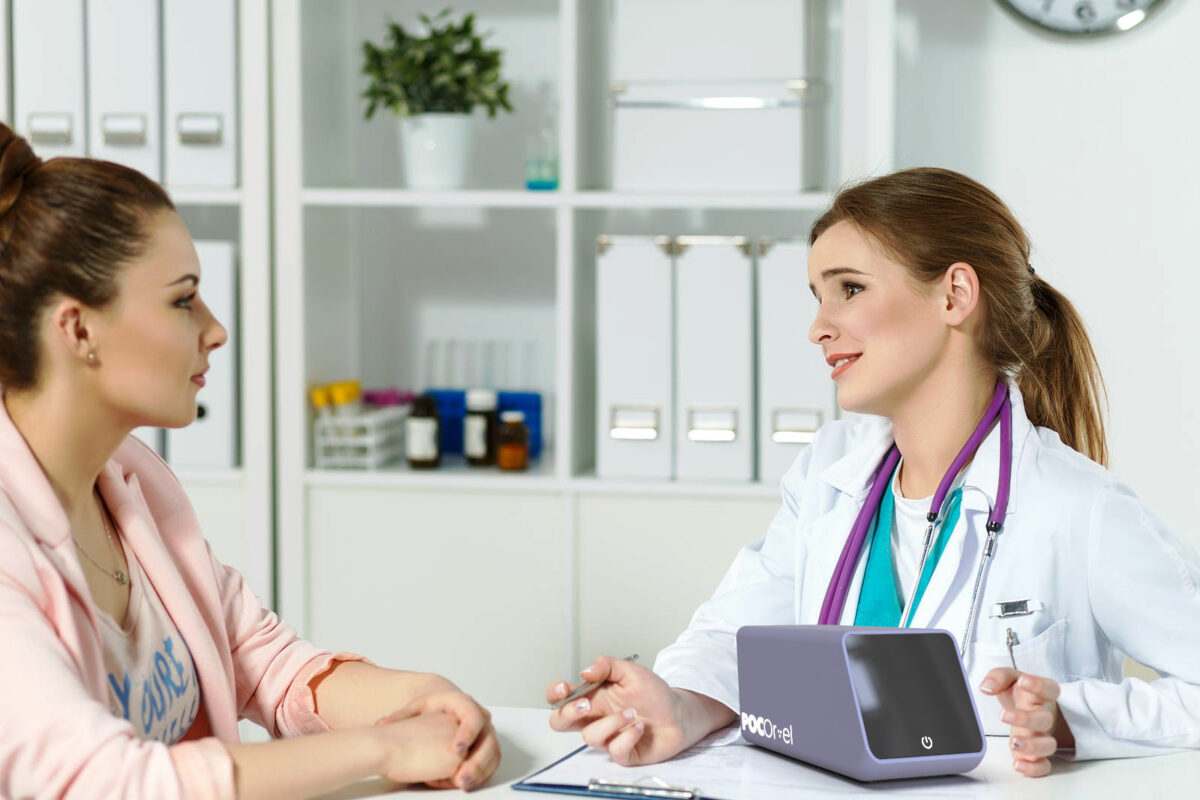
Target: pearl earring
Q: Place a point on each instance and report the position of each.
(91, 358)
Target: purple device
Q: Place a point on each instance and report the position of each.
(869, 703)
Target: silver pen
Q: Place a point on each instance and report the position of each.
(1011, 640)
(587, 688)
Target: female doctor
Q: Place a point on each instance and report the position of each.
(1046, 569)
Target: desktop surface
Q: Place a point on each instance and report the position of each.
(529, 745)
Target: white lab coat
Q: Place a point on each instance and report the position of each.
(1110, 577)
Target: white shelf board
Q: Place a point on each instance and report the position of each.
(541, 480)
(599, 199)
(402, 198)
(197, 476)
(454, 473)
(592, 485)
(183, 196)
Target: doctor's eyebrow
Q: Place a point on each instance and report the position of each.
(833, 272)
(189, 277)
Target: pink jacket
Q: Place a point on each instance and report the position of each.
(57, 735)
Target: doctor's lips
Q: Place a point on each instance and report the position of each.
(198, 378)
(841, 362)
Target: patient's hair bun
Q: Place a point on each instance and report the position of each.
(16, 161)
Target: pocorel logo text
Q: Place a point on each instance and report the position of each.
(760, 726)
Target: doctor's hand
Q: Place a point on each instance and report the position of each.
(635, 715)
(1031, 708)
(473, 742)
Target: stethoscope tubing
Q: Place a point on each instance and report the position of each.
(839, 585)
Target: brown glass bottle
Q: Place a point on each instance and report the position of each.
(512, 442)
(422, 434)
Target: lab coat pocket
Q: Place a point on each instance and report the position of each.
(1043, 655)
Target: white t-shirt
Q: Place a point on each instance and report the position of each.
(151, 678)
(909, 521)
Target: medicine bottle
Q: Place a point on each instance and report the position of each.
(321, 401)
(512, 442)
(479, 428)
(422, 434)
(346, 397)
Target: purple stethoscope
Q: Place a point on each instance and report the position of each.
(839, 584)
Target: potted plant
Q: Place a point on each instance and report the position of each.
(432, 82)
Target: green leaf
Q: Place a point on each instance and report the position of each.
(446, 68)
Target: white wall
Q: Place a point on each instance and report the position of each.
(1093, 144)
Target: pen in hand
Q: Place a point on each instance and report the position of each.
(587, 688)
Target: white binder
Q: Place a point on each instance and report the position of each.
(48, 76)
(211, 441)
(714, 358)
(795, 393)
(736, 107)
(199, 89)
(709, 137)
(634, 335)
(708, 39)
(123, 83)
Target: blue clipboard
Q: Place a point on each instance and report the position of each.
(605, 788)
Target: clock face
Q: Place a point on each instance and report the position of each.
(1083, 17)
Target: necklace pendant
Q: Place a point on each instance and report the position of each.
(121, 577)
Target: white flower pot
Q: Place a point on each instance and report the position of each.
(435, 148)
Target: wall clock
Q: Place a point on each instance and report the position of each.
(1083, 17)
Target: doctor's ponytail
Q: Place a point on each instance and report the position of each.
(1060, 377)
(928, 219)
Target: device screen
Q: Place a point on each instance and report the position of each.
(912, 695)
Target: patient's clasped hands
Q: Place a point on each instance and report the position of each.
(444, 739)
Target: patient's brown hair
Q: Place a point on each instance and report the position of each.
(66, 227)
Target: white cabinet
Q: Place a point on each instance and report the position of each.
(645, 563)
(473, 586)
(372, 278)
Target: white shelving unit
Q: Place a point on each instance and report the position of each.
(236, 507)
(454, 570)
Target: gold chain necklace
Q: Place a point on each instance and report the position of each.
(118, 575)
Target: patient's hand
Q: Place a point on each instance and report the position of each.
(635, 715)
(475, 740)
(1031, 708)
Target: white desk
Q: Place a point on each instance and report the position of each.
(528, 744)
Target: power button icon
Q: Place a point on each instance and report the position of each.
(927, 742)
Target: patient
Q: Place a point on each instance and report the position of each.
(131, 652)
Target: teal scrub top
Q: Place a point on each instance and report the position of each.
(879, 603)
